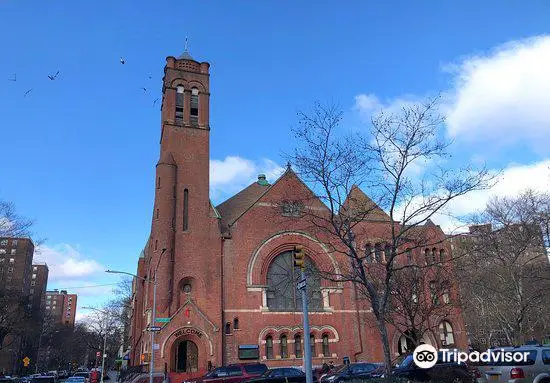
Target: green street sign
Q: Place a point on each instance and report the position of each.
(163, 320)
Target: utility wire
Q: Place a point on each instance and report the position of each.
(85, 287)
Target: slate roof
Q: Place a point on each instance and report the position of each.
(232, 208)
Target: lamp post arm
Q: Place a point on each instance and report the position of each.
(126, 273)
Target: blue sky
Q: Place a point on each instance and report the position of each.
(79, 152)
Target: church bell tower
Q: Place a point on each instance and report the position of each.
(183, 224)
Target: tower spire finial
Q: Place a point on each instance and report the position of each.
(185, 55)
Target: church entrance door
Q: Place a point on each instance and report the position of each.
(187, 358)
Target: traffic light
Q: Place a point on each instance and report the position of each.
(299, 257)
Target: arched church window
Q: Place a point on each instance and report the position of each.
(387, 253)
(284, 347)
(326, 351)
(228, 328)
(446, 334)
(187, 288)
(409, 256)
(282, 276)
(194, 111)
(378, 253)
(235, 323)
(368, 253)
(185, 210)
(179, 104)
(298, 346)
(269, 347)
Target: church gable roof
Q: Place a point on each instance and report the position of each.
(357, 199)
(290, 187)
(235, 207)
(232, 208)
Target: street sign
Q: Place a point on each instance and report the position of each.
(26, 361)
(301, 284)
(153, 328)
(156, 346)
(98, 354)
(163, 320)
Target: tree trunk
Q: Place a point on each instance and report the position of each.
(386, 345)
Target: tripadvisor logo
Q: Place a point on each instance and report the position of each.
(426, 356)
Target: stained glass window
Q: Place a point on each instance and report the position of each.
(282, 276)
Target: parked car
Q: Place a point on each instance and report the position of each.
(234, 373)
(349, 372)
(281, 375)
(63, 374)
(5, 379)
(536, 369)
(44, 379)
(76, 379)
(82, 374)
(442, 372)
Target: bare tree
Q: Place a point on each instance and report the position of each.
(120, 308)
(14, 317)
(504, 271)
(386, 161)
(419, 301)
(12, 224)
(103, 325)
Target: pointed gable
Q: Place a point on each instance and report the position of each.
(231, 209)
(360, 202)
(288, 187)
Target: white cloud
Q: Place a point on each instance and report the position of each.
(369, 104)
(233, 173)
(66, 263)
(503, 97)
(81, 316)
(230, 169)
(513, 180)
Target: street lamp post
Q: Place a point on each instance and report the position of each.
(153, 314)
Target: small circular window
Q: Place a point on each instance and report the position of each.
(187, 288)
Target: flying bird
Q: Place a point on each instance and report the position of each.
(122, 61)
(13, 78)
(53, 77)
(144, 90)
(155, 102)
(27, 92)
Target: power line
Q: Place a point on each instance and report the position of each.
(85, 287)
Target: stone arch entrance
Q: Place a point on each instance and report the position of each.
(188, 350)
(186, 356)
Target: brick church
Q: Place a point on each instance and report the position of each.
(224, 274)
